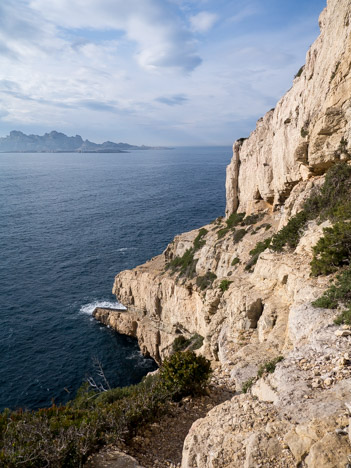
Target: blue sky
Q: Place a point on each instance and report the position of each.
(176, 72)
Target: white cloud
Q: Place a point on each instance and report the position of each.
(203, 21)
(161, 39)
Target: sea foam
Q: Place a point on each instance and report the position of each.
(88, 309)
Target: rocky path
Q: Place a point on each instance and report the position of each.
(160, 444)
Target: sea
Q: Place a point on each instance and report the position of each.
(69, 223)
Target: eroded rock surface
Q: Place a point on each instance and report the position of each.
(309, 128)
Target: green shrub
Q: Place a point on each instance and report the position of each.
(64, 436)
(252, 219)
(224, 285)
(255, 253)
(247, 385)
(344, 317)
(205, 281)
(332, 250)
(235, 219)
(239, 234)
(269, 367)
(332, 201)
(222, 232)
(235, 261)
(299, 73)
(267, 226)
(261, 246)
(217, 220)
(181, 343)
(184, 373)
(186, 264)
(337, 293)
(291, 233)
(199, 241)
(326, 302)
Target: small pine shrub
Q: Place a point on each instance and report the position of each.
(344, 318)
(196, 341)
(269, 367)
(235, 261)
(252, 219)
(235, 219)
(332, 250)
(181, 343)
(291, 233)
(239, 234)
(224, 285)
(255, 253)
(338, 294)
(299, 73)
(184, 374)
(186, 264)
(222, 232)
(199, 241)
(247, 385)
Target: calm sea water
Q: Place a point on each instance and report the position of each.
(68, 224)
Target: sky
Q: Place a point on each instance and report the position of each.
(155, 72)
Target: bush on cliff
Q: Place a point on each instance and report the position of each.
(338, 295)
(224, 285)
(181, 343)
(64, 436)
(186, 264)
(184, 373)
(332, 250)
(332, 201)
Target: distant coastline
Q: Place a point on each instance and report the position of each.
(55, 142)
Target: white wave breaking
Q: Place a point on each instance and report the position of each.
(125, 249)
(88, 309)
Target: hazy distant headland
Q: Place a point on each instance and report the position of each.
(55, 142)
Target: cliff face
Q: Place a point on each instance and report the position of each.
(247, 313)
(303, 135)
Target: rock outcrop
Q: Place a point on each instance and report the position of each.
(309, 128)
(248, 313)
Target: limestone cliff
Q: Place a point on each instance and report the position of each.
(248, 313)
(303, 135)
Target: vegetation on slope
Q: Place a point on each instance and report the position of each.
(64, 436)
(332, 201)
(186, 264)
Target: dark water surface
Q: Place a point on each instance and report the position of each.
(68, 224)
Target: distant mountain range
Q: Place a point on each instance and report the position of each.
(55, 142)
